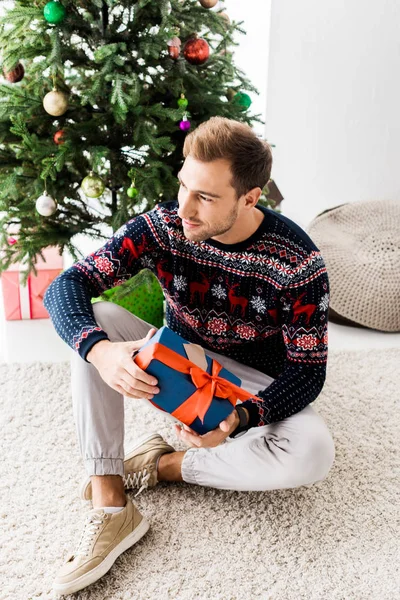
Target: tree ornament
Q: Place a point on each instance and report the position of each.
(174, 52)
(11, 241)
(92, 185)
(174, 41)
(226, 18)
(59, 137)
(196, 50)
(183, 102)
(230, 94)
(242, 100)
(55, 103)
(174, 47)
(46, 205)
(208, 3)
(132, 191)
(54, 12)
(16, 74)
(184, 124)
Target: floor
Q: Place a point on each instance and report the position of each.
(36, 340)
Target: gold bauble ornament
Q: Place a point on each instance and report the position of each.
(55, 103)
(92, 185)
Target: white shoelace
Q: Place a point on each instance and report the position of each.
(91, 528)
(140, 478)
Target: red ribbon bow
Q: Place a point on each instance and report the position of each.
(207, 386)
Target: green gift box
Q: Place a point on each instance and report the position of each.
(142, 296)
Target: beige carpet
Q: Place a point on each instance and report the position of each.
(336, 540)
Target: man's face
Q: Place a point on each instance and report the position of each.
(208, 205)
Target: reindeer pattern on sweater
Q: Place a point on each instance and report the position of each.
(263, 302)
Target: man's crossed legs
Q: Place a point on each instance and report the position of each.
(291, 453)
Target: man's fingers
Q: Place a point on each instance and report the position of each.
(137, 344)
(190, 436)
(121, 390)
(139, 386)
(133, 372)
(183, 434)
(224, 425)
(208, 440)
(187, 428)
(134, 375)
(130, 392)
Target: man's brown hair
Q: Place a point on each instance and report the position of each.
(250, 157)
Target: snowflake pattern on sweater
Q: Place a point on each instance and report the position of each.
(263, 302)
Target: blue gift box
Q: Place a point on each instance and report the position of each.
(176, 387)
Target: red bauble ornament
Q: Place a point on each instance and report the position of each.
(174, 47)
(59, 137)
(16, 74)
(174, 51)
(196, 51)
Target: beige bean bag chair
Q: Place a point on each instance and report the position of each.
(360, 243)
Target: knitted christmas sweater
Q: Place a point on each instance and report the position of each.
(263, 302)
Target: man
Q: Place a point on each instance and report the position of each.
(244, 282)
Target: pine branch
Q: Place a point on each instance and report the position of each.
(101, 55)
(16, 99)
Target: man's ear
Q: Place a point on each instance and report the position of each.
(252, 197)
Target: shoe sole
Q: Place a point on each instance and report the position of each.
(98, 572)
(141, 440)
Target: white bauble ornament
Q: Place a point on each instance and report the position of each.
(46, 205)
(55, 103)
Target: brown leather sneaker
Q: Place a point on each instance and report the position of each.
(104, 538)
(139, 465)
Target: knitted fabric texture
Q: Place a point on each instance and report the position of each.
(263, 302)
(360, 243)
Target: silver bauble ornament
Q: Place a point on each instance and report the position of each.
(92, 186)
(46, 205)
(55, 103)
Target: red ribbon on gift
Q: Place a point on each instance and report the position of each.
(207, 385)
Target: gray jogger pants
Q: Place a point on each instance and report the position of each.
(296, 451)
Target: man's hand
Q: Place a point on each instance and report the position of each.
(114, 362)
(212, 438)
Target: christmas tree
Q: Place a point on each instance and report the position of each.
(96, 100)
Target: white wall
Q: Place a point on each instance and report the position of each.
(251, 56)
(333, 107)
